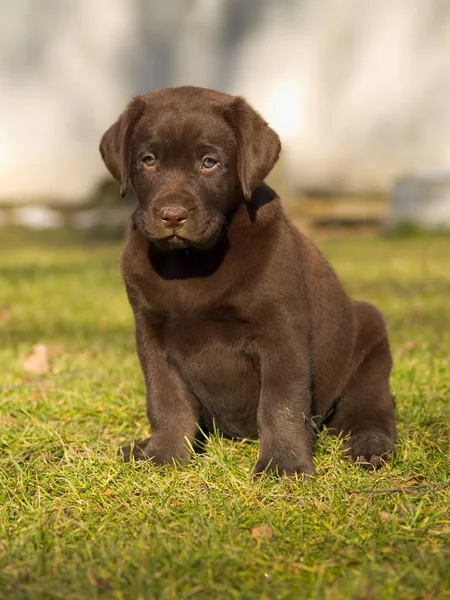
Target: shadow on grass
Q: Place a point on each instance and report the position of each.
(14, 237)
(60, 332)
(32, 272)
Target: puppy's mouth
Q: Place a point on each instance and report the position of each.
(175, 240)
(178, 242)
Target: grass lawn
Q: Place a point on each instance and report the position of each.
(76, 523)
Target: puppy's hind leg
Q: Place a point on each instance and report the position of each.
(365, 411)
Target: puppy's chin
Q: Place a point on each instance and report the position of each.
(178, 242)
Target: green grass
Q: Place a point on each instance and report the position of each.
(77, 524)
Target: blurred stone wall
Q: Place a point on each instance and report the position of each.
(359, 91)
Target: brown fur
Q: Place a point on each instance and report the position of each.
(241, 323)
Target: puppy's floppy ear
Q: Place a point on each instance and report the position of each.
(115, 143)
(258, 145)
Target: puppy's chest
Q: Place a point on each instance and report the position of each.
(189, 332)
(213, 353)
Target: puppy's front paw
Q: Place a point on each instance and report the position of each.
(134, 450)
(282, 467)
(369, 449)
(158, 454)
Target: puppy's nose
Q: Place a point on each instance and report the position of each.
(173, 216)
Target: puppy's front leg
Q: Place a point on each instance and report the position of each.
(286, 439)
(171, 409)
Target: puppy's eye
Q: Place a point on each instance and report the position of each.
(209, 163)
(149, 160)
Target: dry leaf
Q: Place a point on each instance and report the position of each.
(385, 516)
(408, 346)
(108, 492)
(5, 314)
(37, 360)
(262, 532)
(413, 481)
(56, 351)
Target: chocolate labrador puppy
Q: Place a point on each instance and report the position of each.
(241, 323)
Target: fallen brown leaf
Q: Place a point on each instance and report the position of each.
(406, 347)
(37, 361)
(262, 532)
(413, 481)
(56, 351)
(108, 492)
(5, 314)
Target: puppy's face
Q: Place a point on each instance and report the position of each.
(183, 169)
(191, 155)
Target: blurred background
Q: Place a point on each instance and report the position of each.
(359, 92)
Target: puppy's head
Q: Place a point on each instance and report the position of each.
(191, 154)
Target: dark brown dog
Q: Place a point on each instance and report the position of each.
(240, 321)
